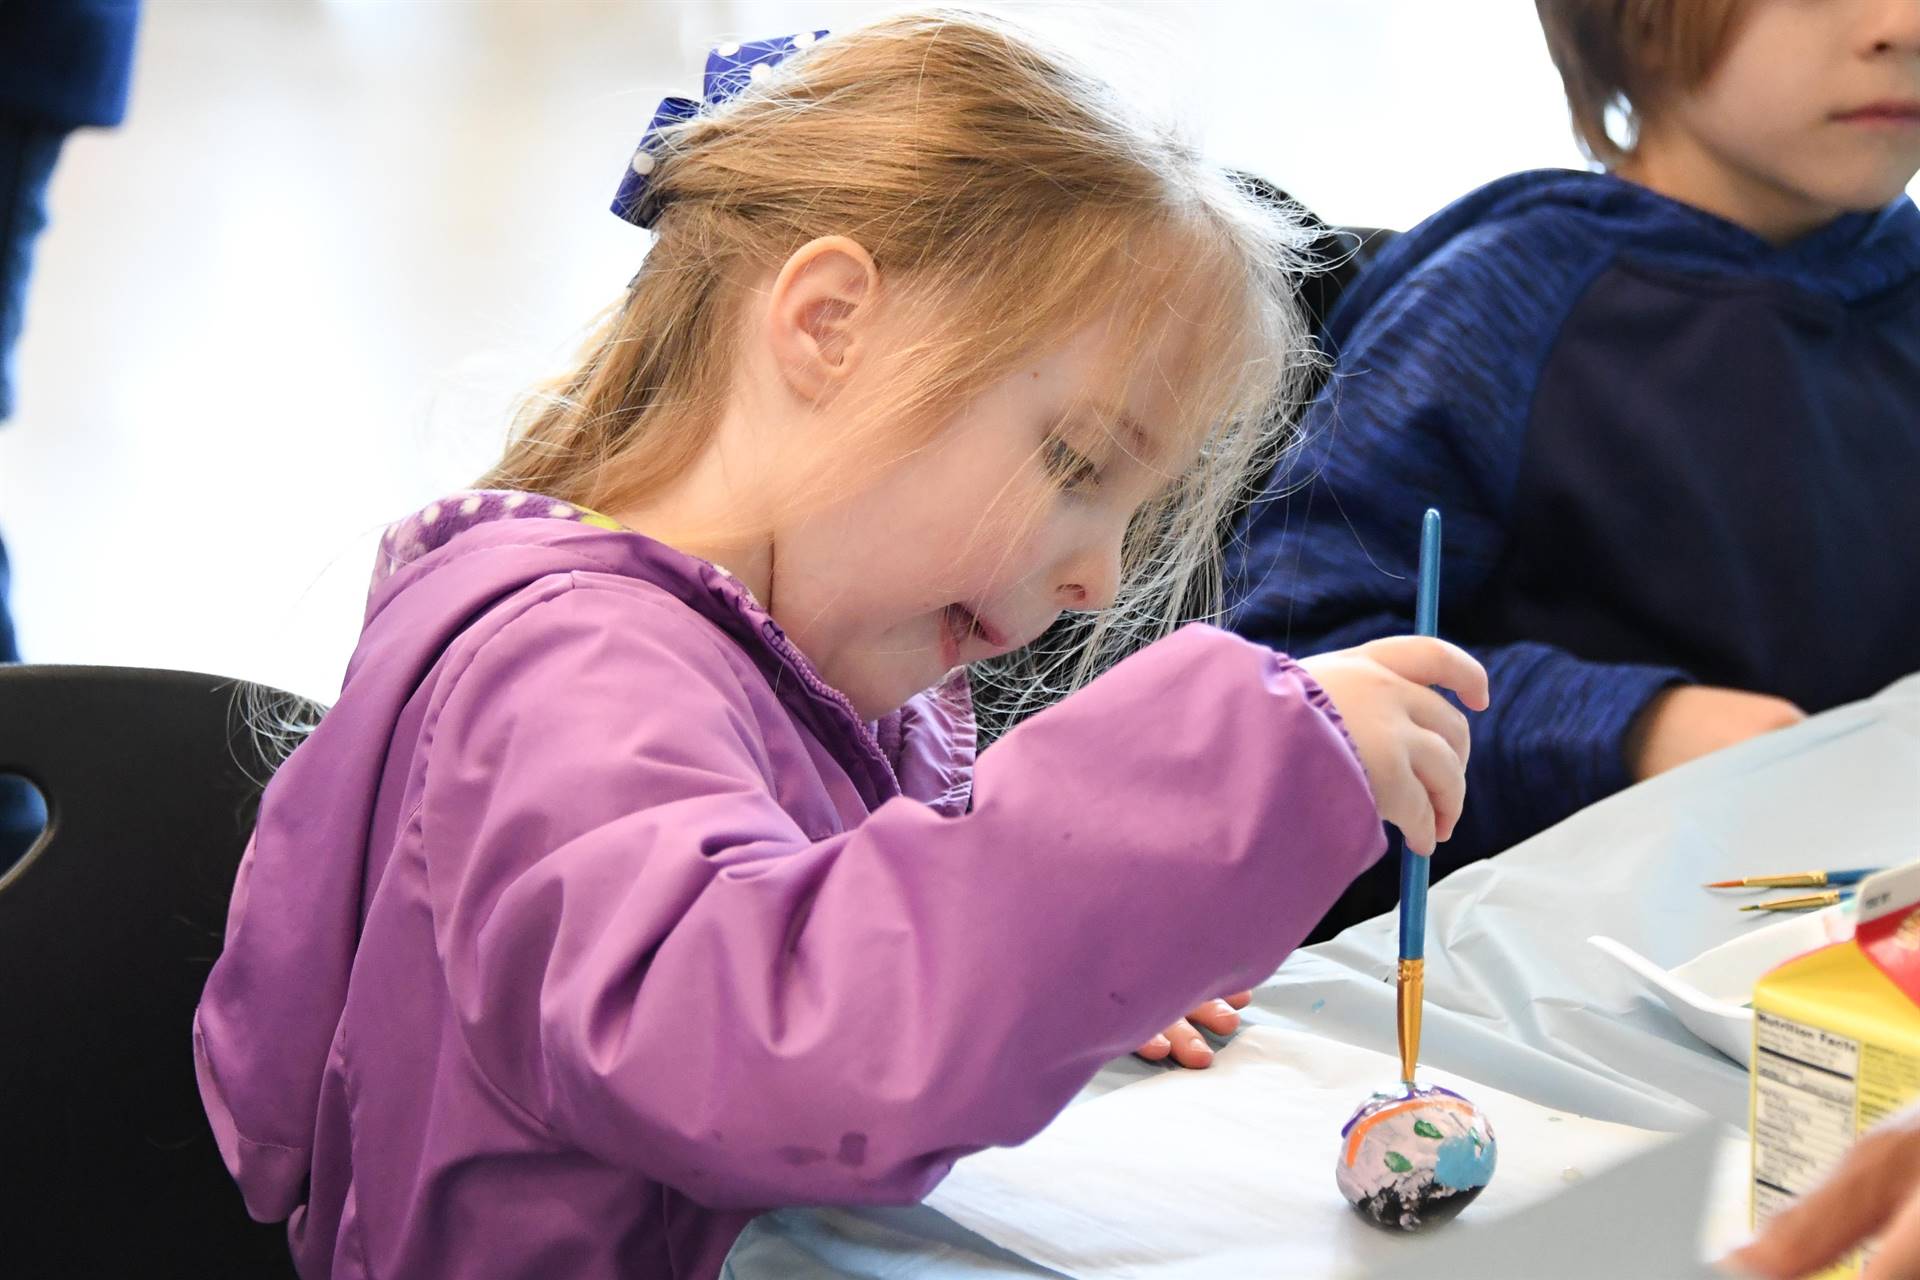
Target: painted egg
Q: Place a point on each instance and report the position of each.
(1411, 1159)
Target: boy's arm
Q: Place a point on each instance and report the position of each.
(1428, 408)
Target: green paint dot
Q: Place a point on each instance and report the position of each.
(1425, 1129)
(1398, 1163)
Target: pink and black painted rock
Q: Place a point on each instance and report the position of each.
(1416, 1158)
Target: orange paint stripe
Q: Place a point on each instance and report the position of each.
(1360, 1130)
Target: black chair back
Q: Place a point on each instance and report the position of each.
(108, 927)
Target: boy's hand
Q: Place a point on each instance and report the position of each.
(1413, 742)
(1875, 1191)
(1689, 721)
(1188, 1047)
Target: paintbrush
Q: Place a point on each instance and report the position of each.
(1798, 879)
(1411, 991)
(1805, 902)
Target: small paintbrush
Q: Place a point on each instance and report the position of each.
(1805, 902)
(1410, 994)
(1798, 879)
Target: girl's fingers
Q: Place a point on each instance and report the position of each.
(1181, 1043)
(1190, 1048)
(1217, 1016)
(1411, 808)
(1184, 1044)
(1155, 1049)
(1441, 777)
(1434, 713)
(1425, 660)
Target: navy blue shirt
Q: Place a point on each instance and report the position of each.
(1665, 449)
(66, 63)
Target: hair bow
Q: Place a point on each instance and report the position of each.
(730, 68)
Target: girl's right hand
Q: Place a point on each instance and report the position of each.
(1412, 742)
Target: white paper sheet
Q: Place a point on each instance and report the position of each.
(1229, 1171)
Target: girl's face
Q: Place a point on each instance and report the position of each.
(972, 546)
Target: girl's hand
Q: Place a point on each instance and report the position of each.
(1875, 1191)
(1688, 721)
(1188, 1047)
(1413, 742)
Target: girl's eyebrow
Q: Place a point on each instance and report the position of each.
(1137, 440)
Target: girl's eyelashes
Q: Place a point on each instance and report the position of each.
(1070, 469)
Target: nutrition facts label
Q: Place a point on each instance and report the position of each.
(1806, 1108)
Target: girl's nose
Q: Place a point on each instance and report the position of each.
(1089, 579)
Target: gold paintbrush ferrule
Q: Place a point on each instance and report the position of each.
(1792, 880)
(1410, 997)
(1805, 902)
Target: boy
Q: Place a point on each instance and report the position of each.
(1671, 411)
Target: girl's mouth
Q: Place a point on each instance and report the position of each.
(963, 625)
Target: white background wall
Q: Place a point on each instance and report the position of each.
(290, 300)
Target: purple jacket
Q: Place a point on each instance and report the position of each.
(591, 921)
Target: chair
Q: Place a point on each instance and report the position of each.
(108, 927)
(1335, 256)
(1340, 254)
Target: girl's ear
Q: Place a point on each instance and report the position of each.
(818, 314)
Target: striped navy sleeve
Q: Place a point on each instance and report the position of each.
(1429, 407)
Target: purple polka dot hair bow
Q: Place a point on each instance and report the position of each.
(730, 68)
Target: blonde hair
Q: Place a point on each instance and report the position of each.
(1623, 56)
(1017, 201)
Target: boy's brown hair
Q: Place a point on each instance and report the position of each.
(1624, 55)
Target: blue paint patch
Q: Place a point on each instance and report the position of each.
(1463, 1163)
(1316, 1006)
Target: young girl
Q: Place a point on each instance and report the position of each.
(621, 894)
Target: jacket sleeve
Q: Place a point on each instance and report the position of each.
(649, 957)
(1429, 407)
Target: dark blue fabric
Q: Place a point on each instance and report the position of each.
(63, 64)
(22, 810)
(9, 644)
(67, 63)
(28, 150)
(1665, 450)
